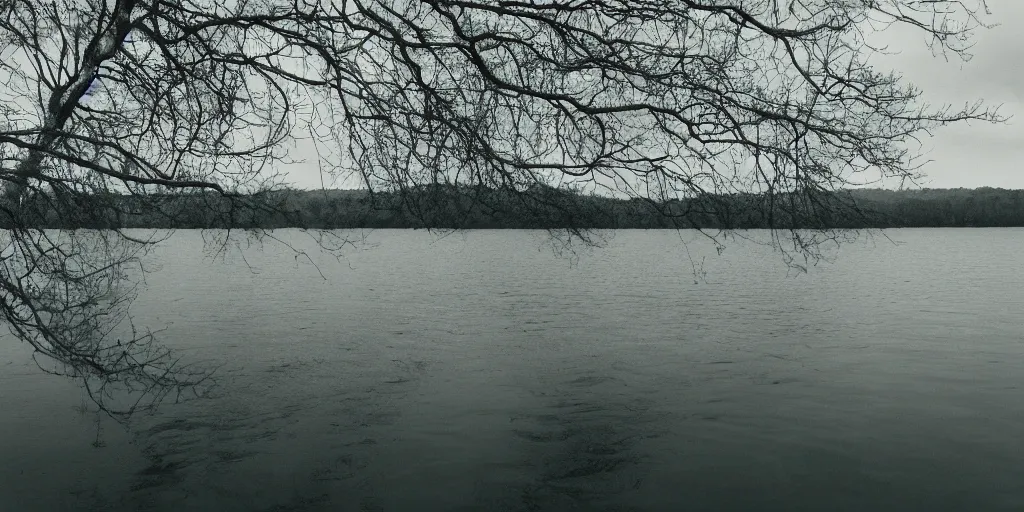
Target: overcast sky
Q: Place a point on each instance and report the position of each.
(975, 155)
(978, 155)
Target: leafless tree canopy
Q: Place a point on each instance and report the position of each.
(660, 100)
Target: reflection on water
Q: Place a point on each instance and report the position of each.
(481, 373)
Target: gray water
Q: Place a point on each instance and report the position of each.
(484, 372)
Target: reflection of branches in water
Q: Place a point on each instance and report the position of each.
(589, 449)
(217, 244)
(67, 294)
(572, 243)
(177, 448)
(253, 420)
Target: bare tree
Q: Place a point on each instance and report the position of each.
(677, 103)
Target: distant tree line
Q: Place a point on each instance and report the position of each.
(443, 206)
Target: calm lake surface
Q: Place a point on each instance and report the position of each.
(481, 371)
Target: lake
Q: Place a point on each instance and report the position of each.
(483, 371)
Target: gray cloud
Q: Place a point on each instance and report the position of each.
(973, 155)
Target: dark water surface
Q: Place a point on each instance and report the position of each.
(483, 372)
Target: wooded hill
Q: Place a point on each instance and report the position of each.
(538, 207)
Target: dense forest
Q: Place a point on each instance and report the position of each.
(542, 207)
